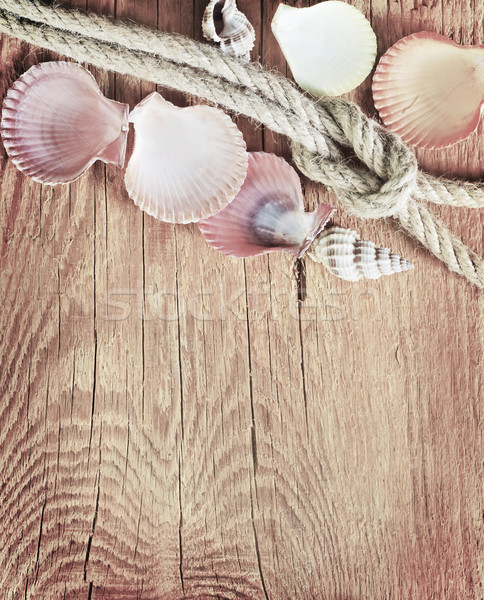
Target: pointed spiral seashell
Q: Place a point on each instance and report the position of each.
(330, 47)
(267, 214)
(224, 23)
(430, 90)
(56, 123)
(187, 163)
(348, 257)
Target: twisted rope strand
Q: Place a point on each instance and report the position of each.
(388, 185)
(446, 191)
(168, 74)
(433, 234)
(175, 48)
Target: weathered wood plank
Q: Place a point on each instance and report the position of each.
(174, 423)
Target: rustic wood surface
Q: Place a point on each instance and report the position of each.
(174, 424)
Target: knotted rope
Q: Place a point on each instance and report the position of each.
(388, 184)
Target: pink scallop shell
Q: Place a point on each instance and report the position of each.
(267, 214)
(187, 163)
(430, 90)
(56, 123)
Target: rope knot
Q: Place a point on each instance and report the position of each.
(382, 184)
(387, 177)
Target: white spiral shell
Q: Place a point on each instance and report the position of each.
(348, 257)
(224, 23)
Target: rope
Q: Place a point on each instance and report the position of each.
(387, 184)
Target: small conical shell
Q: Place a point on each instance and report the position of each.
(267, 214)
(330, 47)
(187, 163)
(430, 90)
(345, 255)
(224, 23)
(56, 123)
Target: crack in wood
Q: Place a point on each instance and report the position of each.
(180, 526)
(89, 541)
(93, 400)
(180, 370)
(36, 567)
(257, 550)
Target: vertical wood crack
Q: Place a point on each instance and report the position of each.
(89, 542)
(93, 401)
(257, 551)
(180, 371)
(253, 442)
(180, 525)
(300, 273)
(40, 539)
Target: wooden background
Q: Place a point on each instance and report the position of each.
(174, 424)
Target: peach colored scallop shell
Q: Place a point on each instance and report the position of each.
(430, 90)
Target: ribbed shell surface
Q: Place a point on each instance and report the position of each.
(348, 257)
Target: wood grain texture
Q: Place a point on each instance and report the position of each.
(176, 424)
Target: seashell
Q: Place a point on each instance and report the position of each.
(267, 214)
(330, 47)
(56, 123)
(187, 163)
(345, 255)
(430, 90)
(224, 23)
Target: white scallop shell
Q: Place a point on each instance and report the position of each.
(224, 23)
(187, 163)
(267, 214)
(330, 47)
(56, 123)
(345, 255)
(430, 90)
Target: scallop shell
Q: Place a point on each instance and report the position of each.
(224, 23)
(56, 123)
(330, 47)
(430, 90)
(187, 163)
(345, 255)
(267, 214)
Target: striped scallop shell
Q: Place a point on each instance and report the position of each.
(430, 90)
(330, 47)
(56, 123)
(224, 23)
(348, 257)
(187, 163)
(267, 214)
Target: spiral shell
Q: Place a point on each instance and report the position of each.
(348, 257)
(224, 23)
